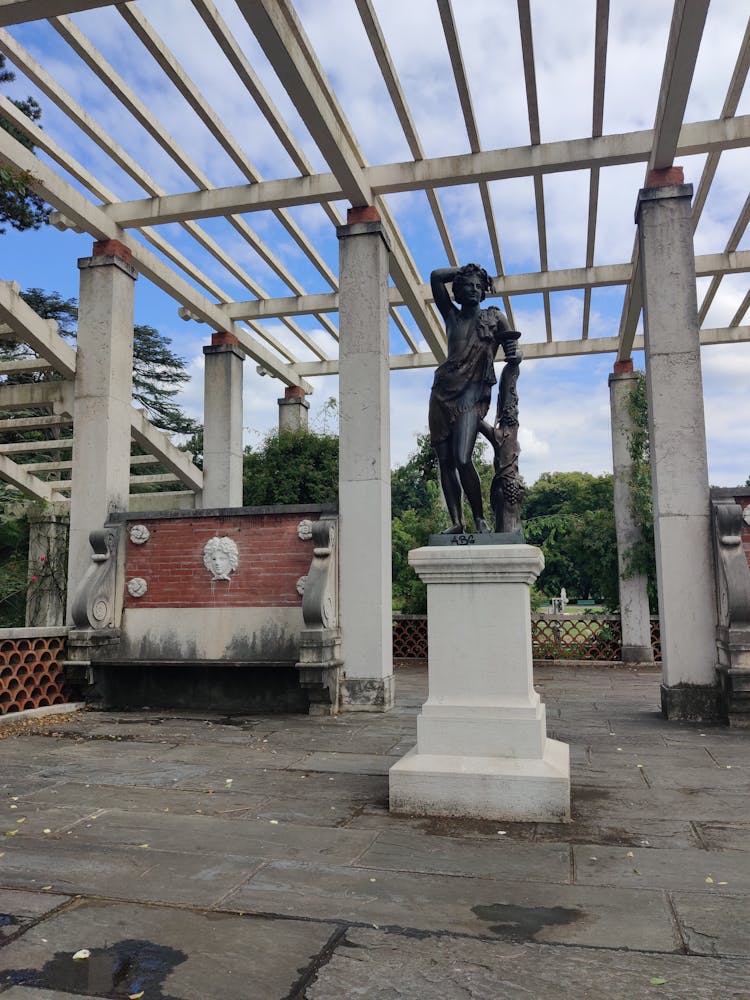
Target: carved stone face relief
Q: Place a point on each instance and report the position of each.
(137, 587)
(139, 534)
(220, 557)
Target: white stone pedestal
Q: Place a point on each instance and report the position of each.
(482, 747)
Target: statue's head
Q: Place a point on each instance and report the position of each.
(471, 274)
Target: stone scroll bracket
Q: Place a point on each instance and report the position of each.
(320, 660)
(96, 609)
(97, 603)
(733, 608)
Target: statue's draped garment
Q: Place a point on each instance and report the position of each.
(464, 382)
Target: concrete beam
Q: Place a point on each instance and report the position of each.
(19, 11)
(441, 171)
(30, 485)
(158, 444)
(32, 395)
(40, 334)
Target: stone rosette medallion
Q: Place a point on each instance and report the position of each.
(220, 557)
(137, 587)
(301, 585)
(304, 530)
(139, 534)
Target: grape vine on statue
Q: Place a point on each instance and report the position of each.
(461, 396)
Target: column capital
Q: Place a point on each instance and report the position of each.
(224, 343)
(363, 220)
(623, 371)
(223, 337)
(661, 192)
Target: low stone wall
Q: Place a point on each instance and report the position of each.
(31, 668)
(205, 595)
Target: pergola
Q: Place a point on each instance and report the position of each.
(204, 244)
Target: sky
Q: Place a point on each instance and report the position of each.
(564, 402)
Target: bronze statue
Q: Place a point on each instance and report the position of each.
(461, 395)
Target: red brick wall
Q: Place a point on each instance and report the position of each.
(744, 502)
(272, 558)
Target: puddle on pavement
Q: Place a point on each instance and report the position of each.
(123, 969)
(522, 923)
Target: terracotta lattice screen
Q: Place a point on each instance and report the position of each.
(31, 673)
(553, 637)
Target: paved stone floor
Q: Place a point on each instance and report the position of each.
(255, 859)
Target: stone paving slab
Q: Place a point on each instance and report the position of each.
(599, 864)
(141, 874)
(88, 798)
(18, 909)
(563, 914)
(607, 803)
(370, 964)
(722, 836)
(183, 955)
(199, 835)
(714, 924)
(409, 851)
(352, 763)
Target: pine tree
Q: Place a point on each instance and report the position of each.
(19, 205)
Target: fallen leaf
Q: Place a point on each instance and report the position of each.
(143, 845)
(21, 819)
(2, 854)
(46, 887)
(82, 954)
(136, 996)
(629, 854)
(657, 981)
(46, 830)
(709, 880)
(273, 822)
(11, 833)
(14, 807)
(722, 883)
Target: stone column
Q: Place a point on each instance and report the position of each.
(679, 466)
(222, 422)
(293, 409)
(48, 546)
(364, 463)
(103, 386)
(634, 610)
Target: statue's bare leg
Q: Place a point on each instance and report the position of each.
(451, 487)
(465, 432)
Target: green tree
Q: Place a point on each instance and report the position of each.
(570, 516)
(291, 467)
(14, 547)
(158, 373)
(158, 376)
(19, 205)
(642, 556)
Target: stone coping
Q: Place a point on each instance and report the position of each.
(35, 632)
(152, 515)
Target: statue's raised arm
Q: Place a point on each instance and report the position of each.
(439, 278)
